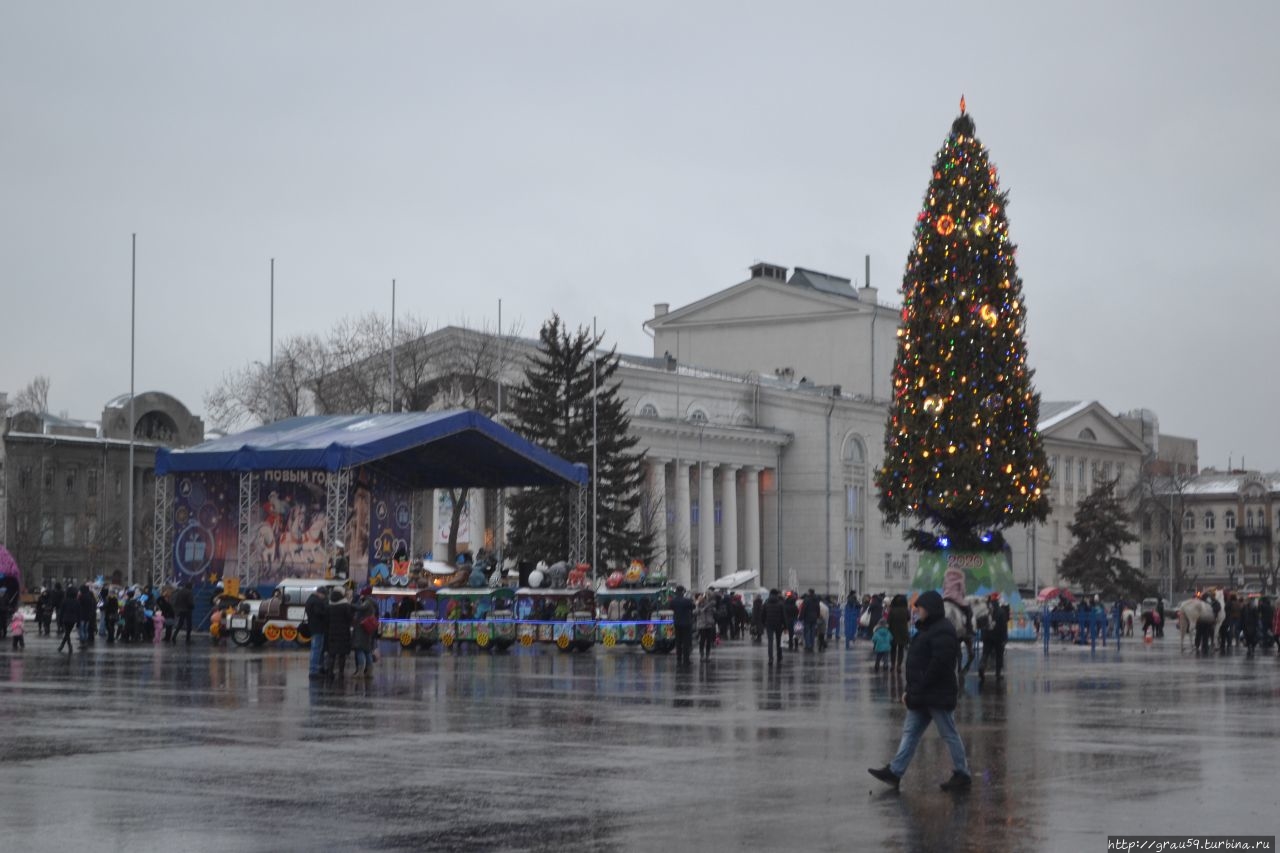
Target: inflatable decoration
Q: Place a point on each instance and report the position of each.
(614, 580)
(635, 572)
(536, 578)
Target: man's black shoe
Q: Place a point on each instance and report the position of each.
(958, 782)
(885, 775)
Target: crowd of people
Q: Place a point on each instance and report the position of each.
(85, 614)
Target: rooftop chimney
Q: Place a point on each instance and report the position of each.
(867, 293)
(660, 309)
(760, 269)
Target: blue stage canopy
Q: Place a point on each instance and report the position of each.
(422, 450)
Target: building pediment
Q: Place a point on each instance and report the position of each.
(1087, 424)
(759, 300)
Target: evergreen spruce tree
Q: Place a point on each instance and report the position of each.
(1101, 528)
(963, 457)
(552, 408)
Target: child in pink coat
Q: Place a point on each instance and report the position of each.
(16, 628)
(157, 620)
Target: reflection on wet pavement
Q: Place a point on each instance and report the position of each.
(228, 749)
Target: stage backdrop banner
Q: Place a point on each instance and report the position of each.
(289, 534)
(205, 529)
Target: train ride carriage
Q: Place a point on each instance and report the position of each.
(562, 616)
(407, 616)
(636, 616)
(480, 615)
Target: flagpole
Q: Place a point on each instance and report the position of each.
(133, 327)
(393, 345)
(501, 526)
(271, 348)
(595, 460)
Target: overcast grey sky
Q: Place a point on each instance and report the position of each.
(595, 158)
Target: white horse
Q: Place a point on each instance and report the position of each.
(966, 629)
(1197, 614)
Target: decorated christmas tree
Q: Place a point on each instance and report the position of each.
(963, 458)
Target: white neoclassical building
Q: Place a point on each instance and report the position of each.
(762, 411)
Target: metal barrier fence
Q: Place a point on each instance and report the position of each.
(1082, 627)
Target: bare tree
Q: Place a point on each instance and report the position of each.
(34, 397)
(1160, 499)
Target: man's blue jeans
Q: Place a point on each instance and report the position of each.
(810, 633)
(317, 653)
(913, 727)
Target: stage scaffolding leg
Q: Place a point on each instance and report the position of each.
(162, 538)
(579, 527)
(337, 496)
(244, 543)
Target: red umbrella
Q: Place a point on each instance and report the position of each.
(1051, 592)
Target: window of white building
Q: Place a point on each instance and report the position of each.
(1229, 556)
(1229, 520)
(1208, 520)
(1189, 557)
(1189, 520)
(1210, 558)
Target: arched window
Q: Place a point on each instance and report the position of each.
(648, 410)
(1086, 434)
(1189, 520)
(1229, 520)
(1209, 520)
(855, 452)
(1248, 519)
(697, 416)
(1189, 557)
(1210, 556)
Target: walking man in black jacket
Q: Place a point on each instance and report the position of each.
(682, 620)
(774, 615)
(931, 694)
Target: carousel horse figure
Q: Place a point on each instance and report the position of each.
(1197, 614)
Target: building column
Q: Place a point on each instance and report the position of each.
(751, 521)
(706, 525)
(729, 519)
(682, 541)
(658, 511)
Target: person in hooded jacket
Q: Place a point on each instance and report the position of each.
(931, 695)
(899, 619)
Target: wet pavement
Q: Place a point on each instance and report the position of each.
(198, 748)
